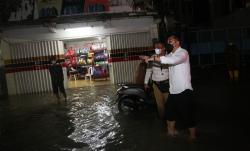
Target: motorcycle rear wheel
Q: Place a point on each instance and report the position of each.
(127, 105)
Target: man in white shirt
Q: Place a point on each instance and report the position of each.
(179, 104)
(159, 74)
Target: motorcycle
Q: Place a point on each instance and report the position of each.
(132, 98)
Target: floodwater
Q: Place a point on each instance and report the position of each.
(89, 120)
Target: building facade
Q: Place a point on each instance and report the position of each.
(58, 27)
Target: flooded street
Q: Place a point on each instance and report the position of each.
(89, 120)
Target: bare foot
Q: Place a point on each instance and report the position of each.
(172, 133)
(191, 139)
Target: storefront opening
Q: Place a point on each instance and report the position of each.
(87, 62)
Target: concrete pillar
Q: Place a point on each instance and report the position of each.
(5, 56)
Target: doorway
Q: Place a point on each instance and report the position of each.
(86, 61)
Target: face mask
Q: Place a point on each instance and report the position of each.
(169, 47)
(157, 51)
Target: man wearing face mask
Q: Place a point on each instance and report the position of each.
(159, 74)
(179, 105)
(57, 79)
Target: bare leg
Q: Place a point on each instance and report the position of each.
(171, 128)
(231, 75)
(236, 75)
(192, 134)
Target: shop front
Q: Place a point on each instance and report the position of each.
(93, 53)
(26, 66)
(107, 59)
(87, 61)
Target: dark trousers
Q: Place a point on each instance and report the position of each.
(58, 85)
(181, 108)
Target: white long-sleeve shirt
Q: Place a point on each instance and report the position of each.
(179, 70)
(158, 71)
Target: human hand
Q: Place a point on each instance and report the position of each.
(156, 58)
(143, 57)
(152, 58)
(146, 87)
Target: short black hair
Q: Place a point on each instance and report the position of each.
(52, 58)
(175, 37)
(159, 42)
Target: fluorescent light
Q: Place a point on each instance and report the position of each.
(80, 29)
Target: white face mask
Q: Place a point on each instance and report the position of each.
(157, 51)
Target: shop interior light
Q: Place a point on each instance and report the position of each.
(80, 29)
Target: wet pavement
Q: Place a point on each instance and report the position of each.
(89, 120)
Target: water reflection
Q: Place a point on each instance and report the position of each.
(35, 122)
(89, 120)
(92, 115)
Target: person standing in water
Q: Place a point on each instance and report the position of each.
(57, 78)
(179, 105)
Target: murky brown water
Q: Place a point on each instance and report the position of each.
(89, 120)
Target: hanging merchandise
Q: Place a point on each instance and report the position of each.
(70, 52)
(100, 72)
(71, 57)
(81, 61)
(100, 56)
(83, 55)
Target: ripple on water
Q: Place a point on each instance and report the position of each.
(92, 115)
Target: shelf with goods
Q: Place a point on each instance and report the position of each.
(78, 59)
(86, 56)
(100, 69)
(79, 55)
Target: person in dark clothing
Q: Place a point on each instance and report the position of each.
(232, 56)
(57, 79)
